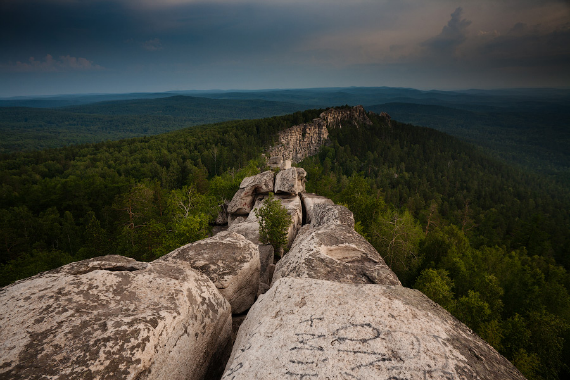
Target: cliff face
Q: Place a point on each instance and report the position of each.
(304, 140)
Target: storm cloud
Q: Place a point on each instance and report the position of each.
(189, 44)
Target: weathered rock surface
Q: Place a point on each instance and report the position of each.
(304, 140)
(333, 117)
(334, 252)
(309, 201)
(290, 181)
(229, 260)
(325, 214)
(311, 329)
(250, 187)
(222, 218)
(242, 202)
(295, 210)
(261, 183)
(112, 318)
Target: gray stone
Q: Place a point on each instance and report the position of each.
(325, 214)
(250, 188)
(304, 140)
(233, 219)
(334, 252)
(222, 218)
(309, 201)
(290, 181)
(242, 202)
(261, 183)
(229, 260)
(113, 318)
(312, 329)
(250, 230)
(266, 258)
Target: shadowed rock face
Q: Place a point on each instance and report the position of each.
(309, 201)
(112, 318)
(334, 252)
(306, 328)
(244, 198)
(229, 260)
(290, 181)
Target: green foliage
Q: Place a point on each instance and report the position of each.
(274, 222)
(139, 198)
(437, 285)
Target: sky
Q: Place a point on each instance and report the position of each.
(117, 46)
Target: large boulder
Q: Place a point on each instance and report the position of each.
(113, 318)
(334, 252)
(290, 181)
(262, 183)
(229, 260)
(242, 202)
(312, 329)
(309, 201)
(244, 198)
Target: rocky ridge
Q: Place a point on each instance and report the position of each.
(330, 308)
(304, 140)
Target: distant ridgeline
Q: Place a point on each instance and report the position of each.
(486, 242)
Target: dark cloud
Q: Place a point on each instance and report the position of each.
(528, 47)
(451, 36)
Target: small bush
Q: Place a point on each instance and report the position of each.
(274, 221)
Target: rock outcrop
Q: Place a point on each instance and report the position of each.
(229, 260)
(334, 251)
(306, 328)
(309, 201)
(113, 318)
(244, 199)
(290, 181)
(304, 140)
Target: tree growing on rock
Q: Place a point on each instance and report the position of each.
(274, 221)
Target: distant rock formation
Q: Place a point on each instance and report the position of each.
(304, 140)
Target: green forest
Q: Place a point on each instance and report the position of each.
(488, 242)
(25, 129)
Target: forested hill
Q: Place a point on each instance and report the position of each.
(191, 107)
(486, 241)
(536, 137)
(40, 128)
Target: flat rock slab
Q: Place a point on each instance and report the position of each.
(228, 259)
(337, 253)
(290, 181)
(112, 318)
(312, 329)
(309, 201)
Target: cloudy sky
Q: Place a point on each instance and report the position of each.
(87, 46)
